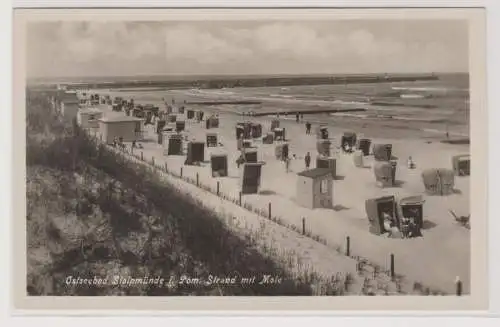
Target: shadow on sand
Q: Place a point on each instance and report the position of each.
(461, 141)
(399, 183)
(267, 192)
(427, 224)
(339, 207)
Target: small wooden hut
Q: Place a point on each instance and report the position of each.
(322, 133)
(375, 210)
(171, 118)
(438, 181)
(212, 122)
(315, 188)
(180, 126)
(323, 147)
(160, 124)
(382, 152)
(279, 134)
(251, 177)
(246, 144)
(247, 130)
(275, 123)
(239, 131)
(281, 151)
(268, 138)
(329, 163)
(199, 115)
(195, 153)
(461, 164)
(256, 130)
(164, 134)
(385, 173)
(174, 145)
(412, 207)
(358, 159)
(364, 145)
(125, 127)
(348, 138)
(212, 140)
(89, 117)
(250, 155)
(218, 163)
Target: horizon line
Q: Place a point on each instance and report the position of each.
(243, 75)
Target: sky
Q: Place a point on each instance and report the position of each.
(72, 49)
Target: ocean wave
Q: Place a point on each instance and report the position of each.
(411, 96)
(344, 102)
(385, 116)
(281, 96)
(426, 89)
(215, 92)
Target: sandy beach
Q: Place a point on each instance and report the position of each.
(436, 259)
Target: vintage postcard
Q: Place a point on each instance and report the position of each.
(250, 160)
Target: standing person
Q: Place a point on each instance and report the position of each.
(301, 116)
(405, 227)
(411, 163)
(240, 160)
(297, 117)
(308, 128)
(307, 160)
(412, 227)
(287, 164)
(388, 222)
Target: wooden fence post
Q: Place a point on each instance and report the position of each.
(142, 156)
(458, 284)
(166, 168)
(181, 171)
(240, 198)
(153, 161)
(269, 210)
(197, 179)
(303, 226)
(348, 246)
(392, 266)
(218, 188)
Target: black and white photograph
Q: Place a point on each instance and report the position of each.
(250, 156)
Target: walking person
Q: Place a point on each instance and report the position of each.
(297, 117)
(307, 160)
(308, 128)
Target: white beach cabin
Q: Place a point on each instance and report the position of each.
(69, 106)
(89, 117)
(127, 127)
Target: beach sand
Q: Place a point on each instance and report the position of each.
(436, 259)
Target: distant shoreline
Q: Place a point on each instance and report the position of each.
(234, 81)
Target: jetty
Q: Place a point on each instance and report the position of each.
(209, 82)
